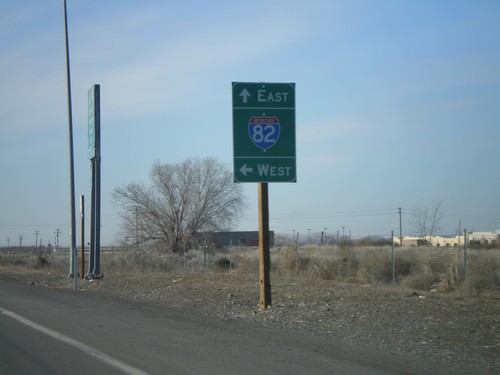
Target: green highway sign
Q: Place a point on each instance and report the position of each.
(264, 132)
(94, 124)
(91, 127)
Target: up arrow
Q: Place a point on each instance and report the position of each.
(244, 169)
(245, 94)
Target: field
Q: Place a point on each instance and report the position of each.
(470, 272)
(430, 311)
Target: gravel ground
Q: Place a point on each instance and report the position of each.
(463, 333)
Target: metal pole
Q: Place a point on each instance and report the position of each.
(82, 236)
(393, 260)
(205, 255)
(400, 230)
(338, 255)
(90, 274)
(296, 254)
(72, 232)
(96, 164)
(97, 219)
(465, 253)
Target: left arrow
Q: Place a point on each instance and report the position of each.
(245, 94)
(244, 169)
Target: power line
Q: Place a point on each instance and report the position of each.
(32, 225)
(355, 213)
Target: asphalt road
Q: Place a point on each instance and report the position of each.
(45, 331)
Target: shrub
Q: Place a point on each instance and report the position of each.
(349, 263)
(483, 273)
(39, 262)
(376, 267)
(420, 281)
(223, 264)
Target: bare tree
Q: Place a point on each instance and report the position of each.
(426, 220)
(182, 200)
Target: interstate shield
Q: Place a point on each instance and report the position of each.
(264, 131)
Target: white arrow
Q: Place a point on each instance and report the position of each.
(245, 94)
(244, 169)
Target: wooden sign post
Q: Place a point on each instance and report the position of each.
(264, 251)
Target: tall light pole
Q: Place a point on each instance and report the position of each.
(324, 236)
(309, 236)
(72, 232)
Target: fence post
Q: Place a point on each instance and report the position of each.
(465, 254)
(393, 260)
(296, 253)
(338, 256)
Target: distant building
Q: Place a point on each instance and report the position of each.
(473, 238)
(413, 242)
(484, 238)
(243, 238)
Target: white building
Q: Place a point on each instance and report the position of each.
(473, 238)
(484, 238)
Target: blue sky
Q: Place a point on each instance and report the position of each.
(397, 104)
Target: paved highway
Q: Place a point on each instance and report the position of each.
(44, 331)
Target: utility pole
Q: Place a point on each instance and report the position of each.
(8, 241)
(400, 230)
(20, 238)
(57, 233)
(37, 232)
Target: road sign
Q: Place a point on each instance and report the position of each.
(264, 132)
(91, 127)
(94, 128)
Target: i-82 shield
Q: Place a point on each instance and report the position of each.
(264, 131)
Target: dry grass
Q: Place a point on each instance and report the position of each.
(417, 268)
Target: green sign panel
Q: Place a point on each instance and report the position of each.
(264, 132)
(94, 127)
(91, 128)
